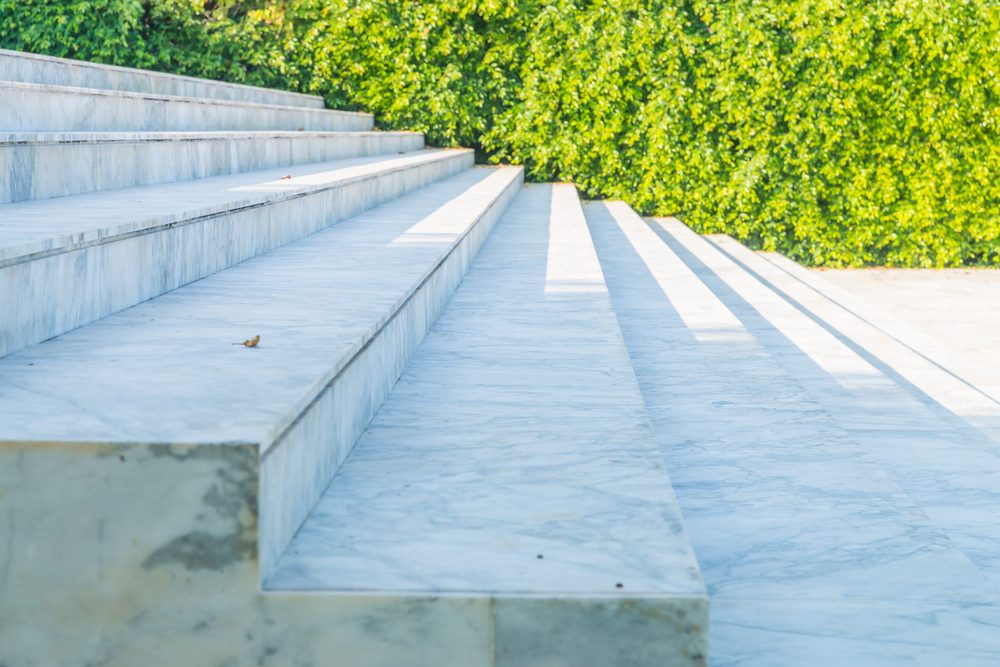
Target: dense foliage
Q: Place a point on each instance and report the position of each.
(841, 132)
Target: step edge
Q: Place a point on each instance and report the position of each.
(9, 256)
(52, 138)
(44, 88)
(272, 441)
(72, 62)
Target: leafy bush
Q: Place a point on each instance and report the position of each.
(840, 132)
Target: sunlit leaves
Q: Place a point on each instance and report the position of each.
(841, 132)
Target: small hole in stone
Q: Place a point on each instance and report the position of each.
(619, 585)
(539, 556)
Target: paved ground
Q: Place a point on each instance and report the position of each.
(958, 307)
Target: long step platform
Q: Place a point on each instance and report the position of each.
(152, 470)
(33, 107)
(35, 68)
(72, 260)
(813, 551)
(511, 477)
(47, 164)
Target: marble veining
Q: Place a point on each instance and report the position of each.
(339, 313)
(42, 165)
(313, 302)
(514, 460)
(961, 351)
(69, 261)
(64, 224)
(36, 68)
(31, 107)
(895, 403)
(902, 409)
(811, 550)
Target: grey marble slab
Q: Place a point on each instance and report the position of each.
(33, 107)
(812, 550)
(125, 555)
(948, 317)
(68, 261)
(339, 314)
(514, 462)
(34, 68)
(928, 428)
(42, 165)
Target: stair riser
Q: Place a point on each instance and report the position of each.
(191, 581)
(112, 599)
(45, 169)
(50, 295)
(31, 68)
(31, 108)
(300, 464)
(185, 572)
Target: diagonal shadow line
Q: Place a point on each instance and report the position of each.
(618, 257)
(757, 324)
(864, 319)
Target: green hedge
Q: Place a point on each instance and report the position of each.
(839, 132)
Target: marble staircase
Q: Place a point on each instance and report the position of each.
(839, 499)
(162, 485)
(484, 423)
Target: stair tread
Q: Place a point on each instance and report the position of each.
(53, 137)
(67, 223)
(314, 302)
(868, 322)
(61, 67)
(933, 433)
(513, 457)
(44, 107)
(788, 510)
(14, 86)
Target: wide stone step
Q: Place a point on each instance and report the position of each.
(72, 260)
(891, 400)
(32, 107)
(56, 164)
(802, 531)
(922, 359)
(34, 68)
(510, 484)
(152, 470)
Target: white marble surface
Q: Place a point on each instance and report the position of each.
(949, 316)
(56, 164)
(513, 460)
(68, 261)
(338, 312)
(930, 369)
(32, 107)
(914, 416)
(35, 68)
(124, 555)
(122, 539)
(812, 551)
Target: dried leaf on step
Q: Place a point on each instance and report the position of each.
(286, 178)
(250, 342)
